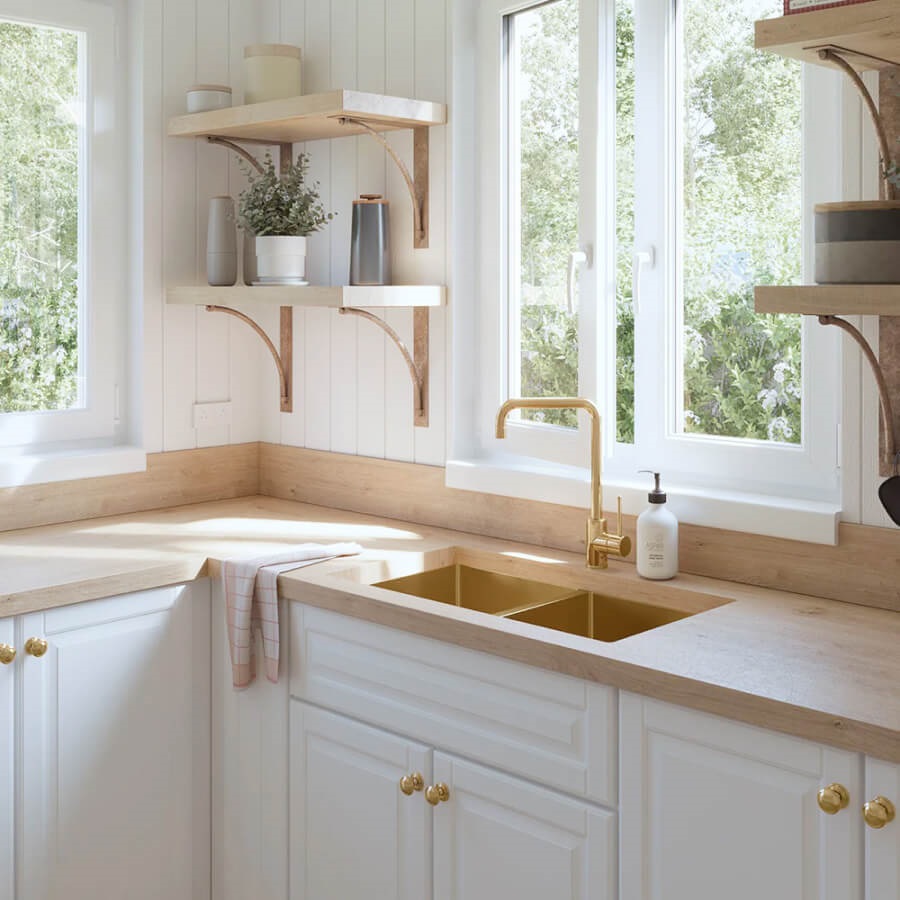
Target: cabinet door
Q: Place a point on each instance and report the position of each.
(711, 808)
(882, 844)
(7, 771)
(115, 764)
(500, 837)
(353, 834)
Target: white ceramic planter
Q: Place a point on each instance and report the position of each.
(280, 257)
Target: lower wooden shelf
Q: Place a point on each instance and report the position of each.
(829, 299)
(361, 296)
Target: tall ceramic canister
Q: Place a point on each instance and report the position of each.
(221, 243)
(370, 241)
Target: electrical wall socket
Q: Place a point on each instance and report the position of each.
(210, 415)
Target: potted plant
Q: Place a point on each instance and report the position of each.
(280, 212)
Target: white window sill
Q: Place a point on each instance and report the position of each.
(529, 479)
(22, 466)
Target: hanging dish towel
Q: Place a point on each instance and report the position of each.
(251, 601)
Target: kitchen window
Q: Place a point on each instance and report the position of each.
(62, 223)
(642, 167)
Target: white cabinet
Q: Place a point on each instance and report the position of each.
(114, 791)
(712, 808)
(882, 846)
(7, 770)
(354, 835)
(497, 836)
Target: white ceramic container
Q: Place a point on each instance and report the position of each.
(280, 257)
(204, 97)
(271, 72)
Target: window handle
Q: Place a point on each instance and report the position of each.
(576, 258)
(639, 259)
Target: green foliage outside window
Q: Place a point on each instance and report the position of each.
(741, 219)
(38, 219)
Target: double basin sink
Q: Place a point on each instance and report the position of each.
(590, 614)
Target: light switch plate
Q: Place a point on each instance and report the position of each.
(209, 415)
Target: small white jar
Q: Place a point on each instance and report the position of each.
(204, 97)
(271, 72)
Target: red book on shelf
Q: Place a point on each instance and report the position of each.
(801, 6)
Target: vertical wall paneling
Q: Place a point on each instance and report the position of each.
(213, 373)
(179, 227)
(352, 390)
(293, 425)
(251, 395)
(317, 331)
(371, 168)
(344, 38)
(431, 78)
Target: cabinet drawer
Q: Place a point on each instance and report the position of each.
(554, 729)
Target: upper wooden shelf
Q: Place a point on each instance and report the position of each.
(830, 299)
(361, 296)
(866, 34)
(310, 117)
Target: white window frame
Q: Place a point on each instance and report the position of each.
(745, 485)
(102, 227)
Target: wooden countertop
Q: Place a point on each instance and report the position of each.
(819, 669)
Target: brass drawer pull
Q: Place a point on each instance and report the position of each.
(7, 654)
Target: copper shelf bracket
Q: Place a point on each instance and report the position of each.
(416, 362)
(284, 359)
(887, 411)
(418, 185)
(285, 151)
(832, 55)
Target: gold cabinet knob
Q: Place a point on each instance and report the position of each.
(411, 783)
(36, 647)
(833, 799)
(7, 654)
(437, 793)
(879, 812)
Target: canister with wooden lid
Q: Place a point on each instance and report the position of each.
(271, 72)
(370, 241)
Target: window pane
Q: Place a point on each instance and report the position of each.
(543, 142)
(39, 187)
(741, 225)
(624, 220)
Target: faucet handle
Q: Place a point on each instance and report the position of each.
(619, 531)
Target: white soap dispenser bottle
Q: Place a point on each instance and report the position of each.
(657, 538)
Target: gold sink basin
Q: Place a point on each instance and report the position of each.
(586, 613)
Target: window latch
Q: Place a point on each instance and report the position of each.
(639, 259)
(577, 258)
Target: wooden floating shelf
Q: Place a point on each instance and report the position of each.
(830, 299)
(867, 34)
(310, 117)
(358, 296)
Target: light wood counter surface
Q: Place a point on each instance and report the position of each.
(819, 669)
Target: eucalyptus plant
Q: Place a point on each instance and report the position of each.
(284, 205)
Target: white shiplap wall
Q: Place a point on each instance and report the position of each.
(352, 390)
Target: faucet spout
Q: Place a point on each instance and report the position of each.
(599, 542)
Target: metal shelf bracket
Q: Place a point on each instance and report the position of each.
(284, 359)
(416, 362)
(417, 183)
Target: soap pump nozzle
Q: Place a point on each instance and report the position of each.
(656, 495)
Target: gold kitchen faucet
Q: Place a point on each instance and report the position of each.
(600, 542)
